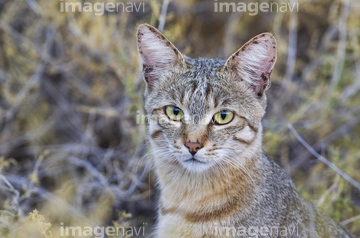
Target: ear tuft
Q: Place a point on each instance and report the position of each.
(254, 61)
(158, 54)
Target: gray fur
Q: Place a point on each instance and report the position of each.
(231, 183)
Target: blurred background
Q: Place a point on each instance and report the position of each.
(72, 152)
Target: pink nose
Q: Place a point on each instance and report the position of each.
(193, 146)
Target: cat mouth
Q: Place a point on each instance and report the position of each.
(196, 165)
(194, 160)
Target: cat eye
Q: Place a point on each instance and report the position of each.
(174, 113)
(223, 117)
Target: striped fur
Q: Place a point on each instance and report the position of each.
(229, 183)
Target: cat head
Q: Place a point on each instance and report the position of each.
(204, 113)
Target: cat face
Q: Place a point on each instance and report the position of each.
(203, 113)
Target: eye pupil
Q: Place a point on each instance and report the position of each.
(223, 114)
(223, 117)
(173, 113)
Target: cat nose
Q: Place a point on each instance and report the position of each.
(193, 146)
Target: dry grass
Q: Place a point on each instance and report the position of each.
(70, 90)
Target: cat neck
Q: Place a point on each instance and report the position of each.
(219, 189)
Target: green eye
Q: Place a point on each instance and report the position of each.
(174, 113)
(223, 117)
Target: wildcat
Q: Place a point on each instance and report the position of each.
(206, 136)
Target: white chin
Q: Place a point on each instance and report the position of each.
(195, 166)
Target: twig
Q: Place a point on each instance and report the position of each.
(325, 41)
(352, 219)
(291, 57)
(337, 133)
(89, 167)
(230, 32)
(329, 190)
(35, 78)
(162, 17)
(323, 159)
(340, 56)
(34, 6)
(15, 193)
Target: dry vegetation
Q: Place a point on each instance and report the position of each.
(70, 90)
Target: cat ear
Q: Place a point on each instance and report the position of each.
(158, 54)
(254, 61)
